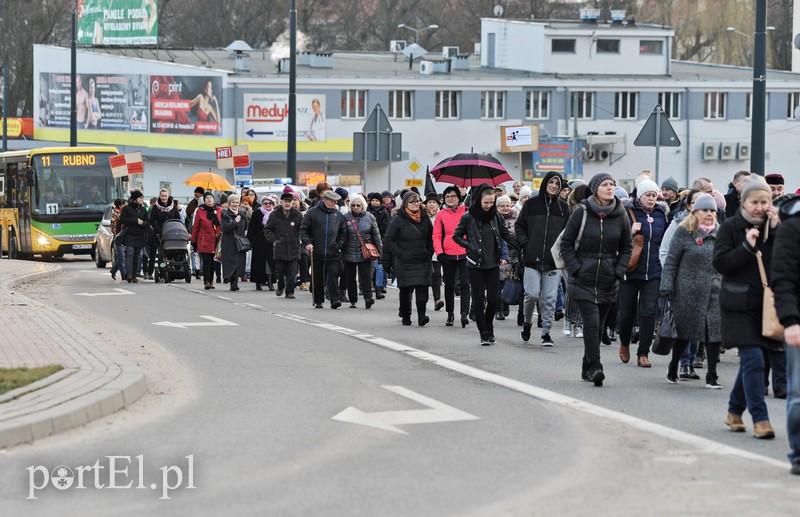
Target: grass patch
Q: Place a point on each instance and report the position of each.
(13, 378)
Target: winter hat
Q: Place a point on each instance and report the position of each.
(597, 179)
(774, 179)
(200, 190)
(645, 186)
(223, 198)
(136, 195)
(454, 189)
(208, 193)
(408, 195)
(705, 202)
(329, 194)
(298, 196)
(620, 193)
(375, 195)
(386, 193)
(288, 194)
(525, 191)
(503, 199)
(671, 184)
(431, 196)
(266, 198)
(576, 183)
(753, 183)
(343, 193)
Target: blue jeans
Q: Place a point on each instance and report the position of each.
(687, 358)
(119, 262)
(793, 401)
(560, 297)
(748, 389)
(380, 277)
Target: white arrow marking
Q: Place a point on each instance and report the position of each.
(213, 322)
(387, 420)
(118, 292)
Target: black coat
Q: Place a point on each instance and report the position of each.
(408, 247)
(158, 217)
(324, 228)
(786, 267)
(262, 249)
(233, 262)
(382, 217)
(283, 231)
(469, 235)
(540, 221)
(599, 263)
(741, 294)
(135, 234)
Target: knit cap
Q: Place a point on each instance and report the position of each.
(671, 184)
(597, 179)
(645, 186)
(753, 183)
(705, 202)
(525, 190)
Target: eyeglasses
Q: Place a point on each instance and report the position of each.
(416, 202)
(268, 203)
(355, 205)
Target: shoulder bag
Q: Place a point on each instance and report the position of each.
(666, 333)
(770, 324)
(368, 250)
(558, 260)
(638, 246)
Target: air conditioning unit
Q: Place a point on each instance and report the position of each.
(743, 151)
(597, 153)
(589, 155)
(710, 150)
(426, 67)
(449, 52)
(397, 45)
(727, 151)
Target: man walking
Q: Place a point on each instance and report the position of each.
(323, 234)
(540, 222)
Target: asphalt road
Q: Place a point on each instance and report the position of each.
(253, 398)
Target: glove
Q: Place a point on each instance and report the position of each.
(665, 294)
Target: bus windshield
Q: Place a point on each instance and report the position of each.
(72, 182)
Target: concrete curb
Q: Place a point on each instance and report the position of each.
(103, 382)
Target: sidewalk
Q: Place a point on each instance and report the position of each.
(96, 380)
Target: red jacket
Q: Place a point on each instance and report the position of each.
(443, 227)
(204, 234)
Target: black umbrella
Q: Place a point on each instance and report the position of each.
(429, 188)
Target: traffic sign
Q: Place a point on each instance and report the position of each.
(657, 122)
(415, 182)
(377, 121)
(414, 166)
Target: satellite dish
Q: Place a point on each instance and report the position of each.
(414, 51)
(498, 11)
(797, 41)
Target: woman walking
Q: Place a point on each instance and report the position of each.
(451, 256)
(234, 224)
(362, 228)
(596, 264)
(409, 247)
(205, 232)
(741, 237)
(135, 222)
(483, 234)
(648, 217)
(690, 282)
(260, 271)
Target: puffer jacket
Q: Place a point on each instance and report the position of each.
(135, 234)
(470, 231)
(786, 264)
(162, 212)
(283, 232)
(443, 228)
(649, 265)
(365, 224)
(742, 294)
(324, 228)
(539, 224)
(408, 247)
(599, 263)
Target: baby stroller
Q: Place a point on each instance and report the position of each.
(173, 253)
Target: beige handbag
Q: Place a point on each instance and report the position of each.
(770, 324)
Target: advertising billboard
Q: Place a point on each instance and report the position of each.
(266, 117)
(186, 104)
(557, 154)
(117, 22)
(103, 102)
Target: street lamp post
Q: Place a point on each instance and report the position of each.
(758, 128)
(416, 32)
(749, 52)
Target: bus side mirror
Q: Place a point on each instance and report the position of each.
(30, 177)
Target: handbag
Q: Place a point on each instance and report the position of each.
(368, 250)
(666, 334)
(512, 290)
(243, 244)
(638, 246)
(555, 251)
(218, 253)
(770, 324)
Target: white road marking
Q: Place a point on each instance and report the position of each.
(213, 321)
(118, 292)
(387, 420)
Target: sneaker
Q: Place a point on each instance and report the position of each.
(525, 333)
(598, 377)
(546, 341)
(335, 304)
(567, 330)
(279, 291)
(485, 339)
(672, 374)
(303, 286)
(712, 382)
(317, 305)
(578, 332)
(499, 316)
(438, 305)
(290, 296)
(795, 468)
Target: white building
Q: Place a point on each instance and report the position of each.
(592, 82)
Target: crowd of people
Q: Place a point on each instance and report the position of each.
(606, 261)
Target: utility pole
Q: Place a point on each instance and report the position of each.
(73, 91)
(291, 149)
(758, 127)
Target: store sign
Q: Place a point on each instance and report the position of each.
(266, 117)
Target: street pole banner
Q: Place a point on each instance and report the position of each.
(117, 22)
(266, 117)
(126, 164)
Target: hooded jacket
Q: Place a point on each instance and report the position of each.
(324, 228)
(472, 231)
(539, 224)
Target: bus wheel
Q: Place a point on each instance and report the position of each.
(12, 247)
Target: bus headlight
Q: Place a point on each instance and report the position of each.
(43, 240)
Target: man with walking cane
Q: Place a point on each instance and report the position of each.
(323, 233)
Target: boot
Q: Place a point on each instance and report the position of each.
(490, 331)
(258, 287)
(624, 353)
(499, 315)
(735, 422)
(464, 320)
(450, 319)
(235, 282)
(672, 373)
(763, 430)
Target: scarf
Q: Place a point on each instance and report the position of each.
(167, 208)
(707, 228)
(416, 217)
(750, 219)
(265, 213)
(211, 214)
(648, 211)
(602, 211)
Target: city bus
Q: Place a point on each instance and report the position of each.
(52, 200)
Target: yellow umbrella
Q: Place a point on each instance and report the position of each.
(208, 180)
